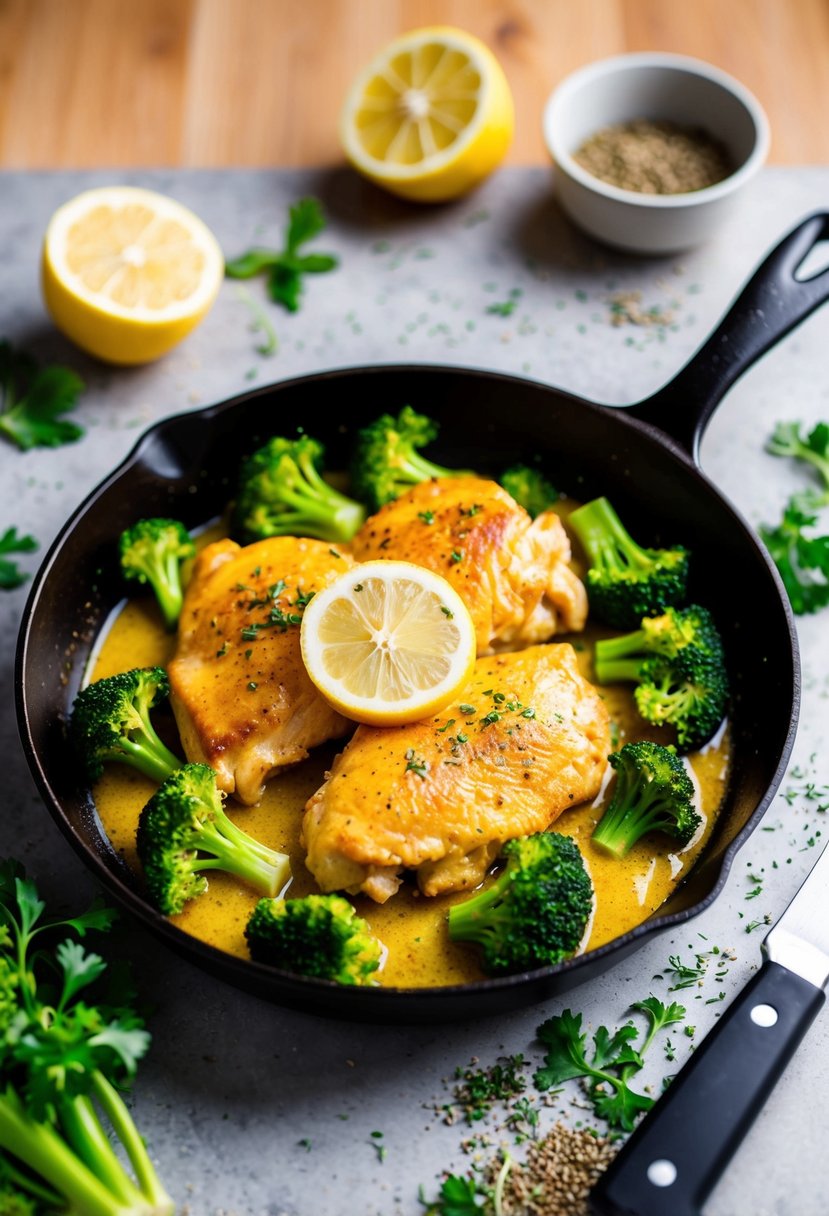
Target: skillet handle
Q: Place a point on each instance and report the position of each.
(672, 1161)
(769, 306)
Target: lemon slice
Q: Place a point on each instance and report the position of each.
(128, 273)
(388, 642)
(430, 116)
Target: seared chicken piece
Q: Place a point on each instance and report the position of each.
(511, 571)
(527, 739)
(240, 693)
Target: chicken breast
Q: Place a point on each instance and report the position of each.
(528, 738)
(511, 571)
(240, 693)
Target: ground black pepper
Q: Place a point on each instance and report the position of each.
(654, 157)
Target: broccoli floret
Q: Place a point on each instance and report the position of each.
(624, 581)
(319, 936)
(111, 722)
(678, 664)
(653, 793)
(386, 461)
(529, 487)
(814, 450)
(535, 912)
(183, 830)
(282, 492)
(152, 551)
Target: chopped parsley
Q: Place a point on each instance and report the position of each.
(457, 555)
(415, 765)
(428, 517)
(447, 612)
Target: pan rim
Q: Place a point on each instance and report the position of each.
(254, 976)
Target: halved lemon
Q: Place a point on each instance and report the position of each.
(388, 642)
(430, 117)
(127, 273)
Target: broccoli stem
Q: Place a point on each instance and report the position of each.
(40, 1147)
(149, 756)
(620, 658)
(418, 468)
(320, 503)
(621, 826)
(168, 590)
(465, 918)
(238, 854)
(615, 671)
(605, 539)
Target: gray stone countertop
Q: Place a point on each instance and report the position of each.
(257, 1111)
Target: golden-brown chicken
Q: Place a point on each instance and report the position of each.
(240, 693)
(527, 739)
(511, 571)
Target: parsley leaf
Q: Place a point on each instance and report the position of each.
(10, 542)
(458, 1197)
(812, 449)
(803, 561)
(286, 267)
(32, 399)
(613, 1061)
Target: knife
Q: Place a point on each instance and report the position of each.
(672, 1161)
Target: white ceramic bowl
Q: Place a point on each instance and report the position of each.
(660, 87)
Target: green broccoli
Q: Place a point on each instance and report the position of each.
(535, 912)
(653, 793)
(624, 581)
(386, 461)
(529, 487)
(678, 664)
(111, 722)
(319, 936)
(787, 440)
(152, 551)
(282, 492)
(183, 830)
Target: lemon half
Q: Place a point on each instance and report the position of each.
(430, 117)
(388, 642)
(127, 273)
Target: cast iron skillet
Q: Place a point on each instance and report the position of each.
(643, 458)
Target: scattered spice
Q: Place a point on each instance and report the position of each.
(626, 309)
(558, 1174)
(650, 157)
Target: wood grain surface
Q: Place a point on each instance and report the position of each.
(260, 82)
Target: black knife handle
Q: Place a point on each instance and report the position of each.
(697, 1124)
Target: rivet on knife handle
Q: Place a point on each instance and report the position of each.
(675, 1156)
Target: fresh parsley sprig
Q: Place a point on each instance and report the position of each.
(811, 449)
(69, 1039)
(33, 398)
(458, 1197)
(11, 542)
(286, 268)
(802, 560)
(611, 1064)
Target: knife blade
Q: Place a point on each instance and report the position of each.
(673, 1159)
